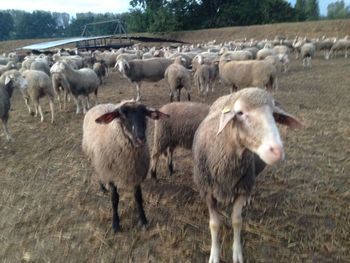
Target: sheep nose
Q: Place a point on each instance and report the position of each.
(277, 151)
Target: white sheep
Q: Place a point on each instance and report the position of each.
(307, 52)
(232, 145)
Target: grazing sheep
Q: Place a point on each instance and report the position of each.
(205, 76)
(6, 91)
(178, 130)
(263, 53)
(242, 74)
(281, 62)
(81, 82)
(341, 44)
(231, 147)
(178, 77)
(307, 52)
(143, 70)
(281, 49)
(118, 150)
(100, 69)
(38, 85)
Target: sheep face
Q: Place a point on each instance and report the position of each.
(17, 81)
(253, 118)
(132, 117)
(122, 66)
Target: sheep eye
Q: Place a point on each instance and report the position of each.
(239, 113)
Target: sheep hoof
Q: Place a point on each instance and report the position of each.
(170, 169)
(154, 174)
(143, 224)
(103, 189)
(117, 228)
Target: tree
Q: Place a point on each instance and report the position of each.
(6, 27)
(338, 10)
(312, 10)
(300, 9)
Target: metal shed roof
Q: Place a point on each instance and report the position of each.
(51, 44)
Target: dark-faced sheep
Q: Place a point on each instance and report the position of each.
(231, 147)
(176, 131)
(114, 139)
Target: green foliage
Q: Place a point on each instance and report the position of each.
(6, 22)
(338, 10)
(312, 10)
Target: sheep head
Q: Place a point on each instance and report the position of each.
(132, 118)
(253, 115)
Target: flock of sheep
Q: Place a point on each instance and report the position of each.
(232, 140)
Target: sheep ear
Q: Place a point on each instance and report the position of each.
(7, 80)
(156, 114)
(284, 118)
(226, 116)
(108, 117)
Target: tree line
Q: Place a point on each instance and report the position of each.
(165, 16)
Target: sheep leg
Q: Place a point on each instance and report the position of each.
(51, 109)
(139, 204)
(188, 95)
(103, 188)
(41, 113)
(178, 94)
(138, 98)
(170, 152)
(154, 163)
(237, 226)
(59, 100)
(115, 201)
(76, 100)
(171, 96)
(26, 101)
(214, 225)
(96, 99)
(87, 103)
(6, 131)
(233, 88)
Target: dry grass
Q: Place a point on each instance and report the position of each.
(52, 211)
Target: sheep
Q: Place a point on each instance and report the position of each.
(307, 51)
(341, 44)
(178, 77)
(118, 150)
(10, 65)
(231, 146)
(205, 76)
(40, 64)
(81, 82)
(60, 84)
(241, 74)
(6, 90)
(143, 70)
(129, 56)
(38, 85)
(237, 55)
(281, 49)
(263, 53)
(280, 61)
(178, 130)
(100, 69)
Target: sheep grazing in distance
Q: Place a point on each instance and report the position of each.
(231, 146)
(114, 139)
(81, 82)
(137, 70)
(205, 75)
(38, 85)
(178, 77)
(242, 74)
(307, 52)
(178, 130)
(100, 69)
(6, 91)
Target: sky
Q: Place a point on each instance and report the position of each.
(82, 6)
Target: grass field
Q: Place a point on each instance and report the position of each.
(51, 209)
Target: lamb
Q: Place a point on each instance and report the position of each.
(178, 77)
(5, 99)
(143, 70)
(81, 82)
(100, 69)
(307, 51)
(10, 65)
(231, 146)
(118, 150)
(38, 85)
(178, 130)
(205, 76)
(241, 74)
